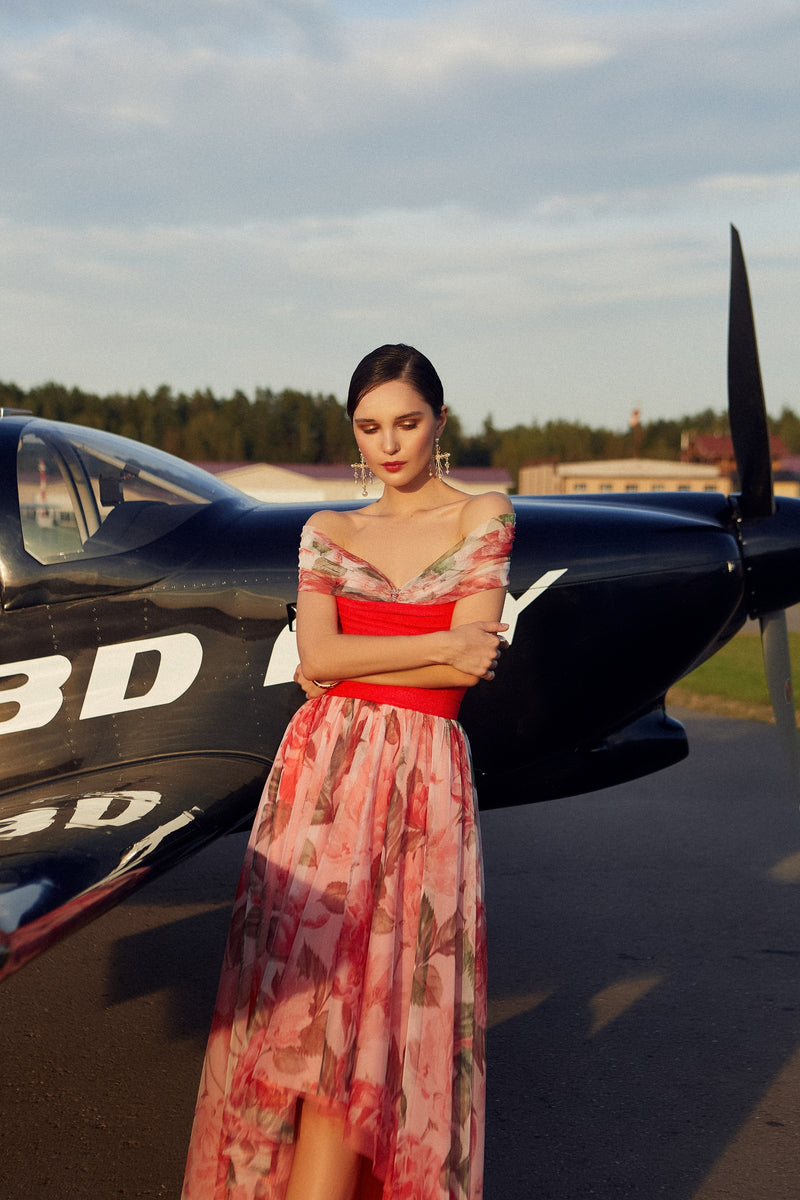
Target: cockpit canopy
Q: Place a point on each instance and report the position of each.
(84, 493)
(84, 512)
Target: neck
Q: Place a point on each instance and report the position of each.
(404, 502)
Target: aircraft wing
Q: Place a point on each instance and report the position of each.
(73, 847)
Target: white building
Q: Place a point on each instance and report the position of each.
(621, 475)
(319, 483)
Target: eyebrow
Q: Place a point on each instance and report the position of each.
(375, 420)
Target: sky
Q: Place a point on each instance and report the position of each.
(235, 194)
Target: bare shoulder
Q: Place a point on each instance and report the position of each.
(335, 525)
(480, 509)
(322, 520)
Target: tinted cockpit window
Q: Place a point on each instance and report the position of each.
(83, 493)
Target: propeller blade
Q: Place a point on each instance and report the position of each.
(746, 409)
(778, 667)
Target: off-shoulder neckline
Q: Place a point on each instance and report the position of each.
(509, 520)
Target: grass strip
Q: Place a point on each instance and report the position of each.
(733, 683)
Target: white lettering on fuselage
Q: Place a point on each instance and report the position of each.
(181, 656)
(40, 696)
(512, 608)
(284, 657)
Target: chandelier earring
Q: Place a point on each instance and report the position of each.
(362, 474)
(440, 463)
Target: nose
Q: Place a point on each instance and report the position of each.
(389, 444)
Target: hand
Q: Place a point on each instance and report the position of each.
(502, 644)
(311, 689)
(475, 648)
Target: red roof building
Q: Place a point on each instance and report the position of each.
(717, 449)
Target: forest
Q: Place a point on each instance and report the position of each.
(292, 426)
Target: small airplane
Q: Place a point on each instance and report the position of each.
(147, 646)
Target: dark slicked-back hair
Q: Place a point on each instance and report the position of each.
(388, 363)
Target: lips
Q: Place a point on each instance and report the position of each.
(393, 466)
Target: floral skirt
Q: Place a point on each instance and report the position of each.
(355, 969)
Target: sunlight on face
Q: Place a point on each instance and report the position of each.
(395, 430)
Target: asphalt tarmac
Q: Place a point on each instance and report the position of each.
(644, 1001)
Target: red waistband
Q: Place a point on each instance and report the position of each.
(439, 702)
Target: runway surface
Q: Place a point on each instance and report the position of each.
(644, 1002)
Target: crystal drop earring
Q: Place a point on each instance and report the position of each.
(362, 474)
(440, 463)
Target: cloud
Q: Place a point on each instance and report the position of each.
(468, 104)
(309, 24)
(234, 192)
(561, 311)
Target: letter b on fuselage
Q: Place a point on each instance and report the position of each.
(39, 697)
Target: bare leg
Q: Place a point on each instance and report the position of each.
(324, 1167)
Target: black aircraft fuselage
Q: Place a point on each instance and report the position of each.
(147, 654)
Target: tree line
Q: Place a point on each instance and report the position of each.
(291, 426)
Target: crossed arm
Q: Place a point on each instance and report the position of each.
(455, 657)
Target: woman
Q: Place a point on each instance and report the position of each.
(346, 1055)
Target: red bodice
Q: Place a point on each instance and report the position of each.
(386, 619)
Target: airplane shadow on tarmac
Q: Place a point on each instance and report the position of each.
(194, 944)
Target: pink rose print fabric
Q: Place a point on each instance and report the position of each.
(355, 969)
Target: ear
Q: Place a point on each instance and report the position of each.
(441, 421)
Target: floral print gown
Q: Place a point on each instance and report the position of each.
(355, 970)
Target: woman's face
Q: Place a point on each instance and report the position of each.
(395, 431)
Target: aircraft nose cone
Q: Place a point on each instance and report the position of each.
(771, 553)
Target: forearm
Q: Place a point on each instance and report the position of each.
(423, 677)
(354, 656)
(328, 654)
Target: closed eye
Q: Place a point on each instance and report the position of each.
(408, 426)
